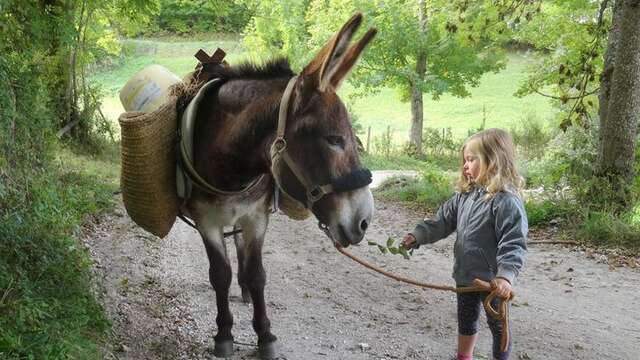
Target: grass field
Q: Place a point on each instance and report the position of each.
(494, 94)
(493, 99)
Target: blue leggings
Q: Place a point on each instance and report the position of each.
(469, 305)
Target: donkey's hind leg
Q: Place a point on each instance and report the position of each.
(253, 231)
(242, 280)
(220, 278)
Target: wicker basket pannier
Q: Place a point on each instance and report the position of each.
(148, 177)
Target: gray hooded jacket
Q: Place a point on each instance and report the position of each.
(491, 234)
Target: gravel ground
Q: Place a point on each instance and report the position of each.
(571, 302)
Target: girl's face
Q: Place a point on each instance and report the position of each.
(471, 166)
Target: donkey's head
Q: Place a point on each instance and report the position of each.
(315, 156)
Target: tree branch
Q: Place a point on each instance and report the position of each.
(603, 7)
(567, 98)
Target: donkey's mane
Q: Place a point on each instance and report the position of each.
(275, 68)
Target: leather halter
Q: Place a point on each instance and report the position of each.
(314, 192)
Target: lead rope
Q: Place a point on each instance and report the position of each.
(502, 314)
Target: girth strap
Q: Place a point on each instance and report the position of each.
(186, 169)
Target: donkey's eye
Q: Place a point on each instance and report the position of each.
(335, 140)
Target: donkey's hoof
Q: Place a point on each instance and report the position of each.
(223, 348)
(268, 350)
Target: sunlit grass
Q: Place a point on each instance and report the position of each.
(493, 99)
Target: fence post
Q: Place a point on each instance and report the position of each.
(368, 138)
(388, 141)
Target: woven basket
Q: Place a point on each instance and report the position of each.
(293, 209)
(148, 177)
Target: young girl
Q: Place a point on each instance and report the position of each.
(491, 225)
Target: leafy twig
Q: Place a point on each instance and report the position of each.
(392, 248)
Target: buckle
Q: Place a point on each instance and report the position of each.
(315, 194)
(278, 146)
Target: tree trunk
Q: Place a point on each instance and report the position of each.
(417, 117)
(618, 133)
(607, 72)
(417, 106)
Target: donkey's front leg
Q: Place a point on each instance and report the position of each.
(254, 276)
(220, 278)
(240, 250)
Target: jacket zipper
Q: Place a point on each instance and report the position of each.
(484, 256)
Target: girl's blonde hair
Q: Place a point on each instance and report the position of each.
(496, 152)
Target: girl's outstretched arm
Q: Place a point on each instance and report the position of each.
(445, 222)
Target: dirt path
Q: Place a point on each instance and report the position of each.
(324, 306)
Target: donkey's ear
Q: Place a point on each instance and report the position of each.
(319, 71)
(349, 59)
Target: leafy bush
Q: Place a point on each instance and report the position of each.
(530, 137)
(568, 159)
(440, 142)
(429, 190)
(604, 228)
(47, 308)
(186, 17)
(383, 144)
(542, 212)
(44, 273)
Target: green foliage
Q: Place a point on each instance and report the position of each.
(429, 190)
(440, 142)
(280, 28)
(383, 144)
(606, 229)
(392, 248)
(189, 16)
(44, 272)
(27, 122)
(530, 136)
(575, 41)
(454, 60)
(541, 212)
(568, 159)
(46, 304)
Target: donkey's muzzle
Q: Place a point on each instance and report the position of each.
(354, 180)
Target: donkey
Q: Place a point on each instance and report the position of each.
(263, 129)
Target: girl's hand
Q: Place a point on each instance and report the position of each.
(502, 287)
(409, 242)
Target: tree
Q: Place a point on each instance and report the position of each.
(620, 94)
(584, 39)
(433, 47)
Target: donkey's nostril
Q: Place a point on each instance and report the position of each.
(364, 225)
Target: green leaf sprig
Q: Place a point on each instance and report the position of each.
(393, 247)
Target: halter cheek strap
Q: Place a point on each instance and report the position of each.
(354, 180)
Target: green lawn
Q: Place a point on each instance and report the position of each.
(173, 53)
(494, 94)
